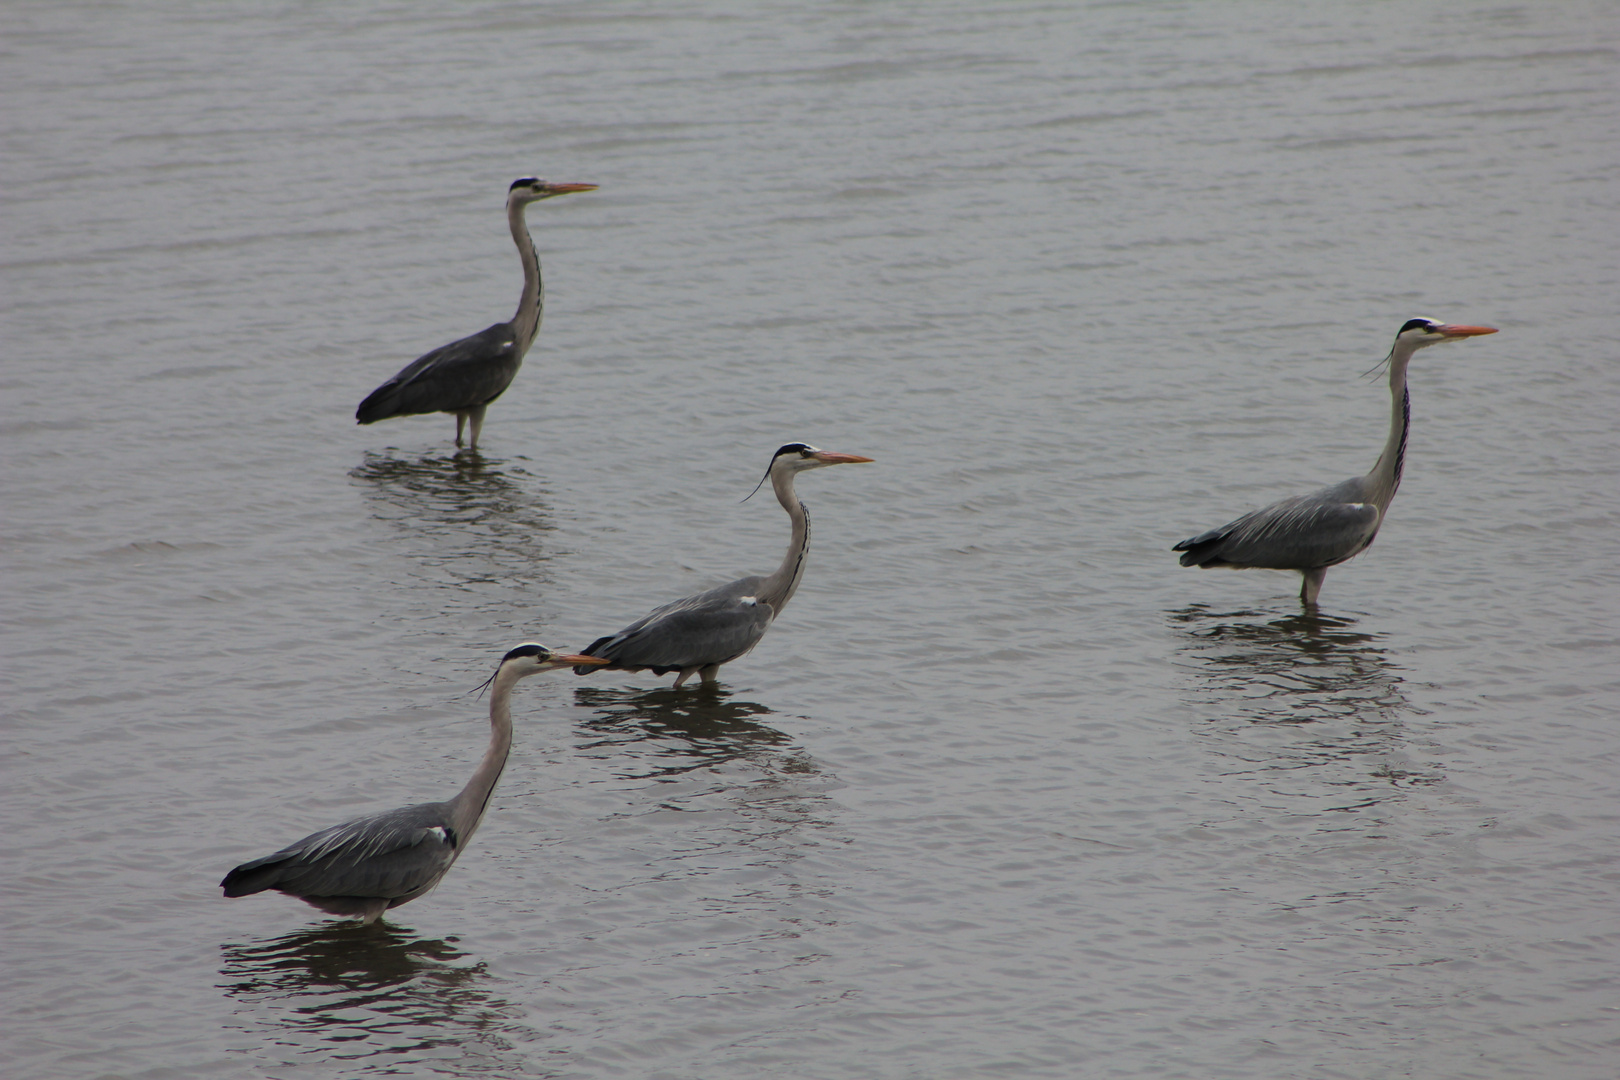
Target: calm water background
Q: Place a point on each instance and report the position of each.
(1006, 792)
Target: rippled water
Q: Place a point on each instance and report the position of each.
(1006, 792)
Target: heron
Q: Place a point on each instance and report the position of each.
(1310, 533)
(464, 376)
(697, 634)
(363, 867)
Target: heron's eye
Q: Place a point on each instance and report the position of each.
(805, 453)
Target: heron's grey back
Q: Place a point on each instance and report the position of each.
(396, 854)
(711, 627)
(461, 375)
(1321, 529)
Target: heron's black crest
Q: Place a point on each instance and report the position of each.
(527, 181)
(1417, 324)
(802, 449)
(791, 448)
(530, 649)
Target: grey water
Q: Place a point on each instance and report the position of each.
(1005, 792)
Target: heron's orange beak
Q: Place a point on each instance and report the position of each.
(569, 189)
(828, 457)
(578, 660)
(1453, 330)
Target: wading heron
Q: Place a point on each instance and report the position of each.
(366, 866)
(699, 633)
(464, 376)
(1310, 533)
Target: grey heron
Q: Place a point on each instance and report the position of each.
(464, 376)
(366, 866)
(697, 634)
(1310, 533)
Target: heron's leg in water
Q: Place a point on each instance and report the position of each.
(461, 418)
(373, 911)
(1312, 585)
(686, 673)
(475, 417)
(710, 674)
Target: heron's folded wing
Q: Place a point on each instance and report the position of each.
(1294, 534)
(388, 854)
(709, 628)
(463, 374)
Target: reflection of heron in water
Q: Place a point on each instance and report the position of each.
(337, 955)
(745, 792)
(1295, 669)
(683, 730)
(1305, 694)
(379, 991)
(450, 492)
(470, 515)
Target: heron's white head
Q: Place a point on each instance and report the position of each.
(532, 189)
(1420, 332)
(532, 658)
(797, 457)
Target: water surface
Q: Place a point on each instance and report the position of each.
(1006, 792)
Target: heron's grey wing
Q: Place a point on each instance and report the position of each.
(461, 375)
(712, 627)
(397, 854)
(1296, 534)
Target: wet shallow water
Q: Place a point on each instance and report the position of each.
(1006, 791)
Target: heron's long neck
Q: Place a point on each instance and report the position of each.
(780, 586)
(1386, 475)
(532, 302)
(474, 798)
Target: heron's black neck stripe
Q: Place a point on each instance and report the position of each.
(1400, 448)
(804, 548)
(483, 808)
(798, 562)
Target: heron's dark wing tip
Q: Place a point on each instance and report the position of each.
(593, 650)
(252, 877)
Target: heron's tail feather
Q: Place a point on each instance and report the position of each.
(1201, 549)
(380, 404)
(591, 650)
(254, 877)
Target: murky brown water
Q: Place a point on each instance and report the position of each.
(1006, 792)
